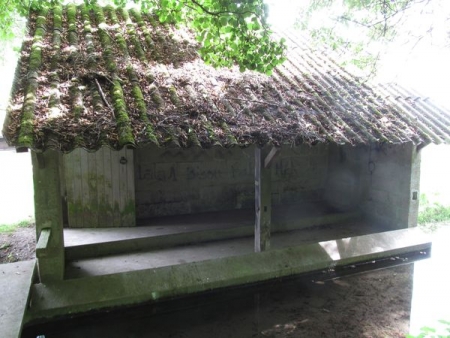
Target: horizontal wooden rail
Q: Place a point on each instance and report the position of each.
(43, 243)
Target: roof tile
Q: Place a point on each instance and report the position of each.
(116, 77)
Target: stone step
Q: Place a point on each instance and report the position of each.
(15, 281)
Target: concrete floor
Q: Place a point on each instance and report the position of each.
(158, 275)
(197, 252)
(15, 281)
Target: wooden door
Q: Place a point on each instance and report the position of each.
(99, 188)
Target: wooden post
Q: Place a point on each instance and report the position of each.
(263, 198)
(49, 215)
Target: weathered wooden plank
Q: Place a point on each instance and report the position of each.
(263, 203)
(75, 203)
(130, 196)
(115, 178)
(49, 213)
(100, 174)
(92, 178)
(102, 190)
(108, 188)
(84, 207)
(123, 186)
(62, 181)
(271, 157)
(68, 178)
(43, 243)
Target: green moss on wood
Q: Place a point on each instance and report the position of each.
(172, 138)
(57, 29)
(71, 11)
(142, 109)
(231, 140)
(147, 36)
(77, 100)
(57, 17)
(155, 95)
(105, 40)
(122, 118)
(193, 139)
(84, 209)
(87, 31)
(211, 134)
(119, 39)
(97, 100)
(72, 24)
(174, 97)
(27, 122)
(131, 31)
(36, 48)
(41, 19)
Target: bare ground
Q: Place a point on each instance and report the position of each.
(18, 245)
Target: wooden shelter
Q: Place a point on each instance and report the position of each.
(129, 128)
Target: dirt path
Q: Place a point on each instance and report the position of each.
(18, 245)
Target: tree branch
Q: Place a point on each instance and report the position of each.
(204, 9)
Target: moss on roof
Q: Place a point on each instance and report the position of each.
(107, 76)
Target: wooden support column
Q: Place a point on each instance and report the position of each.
(263, 197)
(49, 215)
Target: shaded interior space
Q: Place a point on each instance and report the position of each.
(193, 205)
(150, 224)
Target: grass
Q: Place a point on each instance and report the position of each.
(7, 228)
(443, 331)
(430, 214)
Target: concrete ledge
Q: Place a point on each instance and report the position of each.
(124, 240)
(15, 282)
(101, 292)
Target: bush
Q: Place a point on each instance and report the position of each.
(432, 212)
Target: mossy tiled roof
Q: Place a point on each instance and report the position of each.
(116, 77)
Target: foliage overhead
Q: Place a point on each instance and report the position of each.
(364, 29)
(230, 31)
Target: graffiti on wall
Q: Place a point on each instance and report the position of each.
(150, 173)
(284, 168)
(173, 174)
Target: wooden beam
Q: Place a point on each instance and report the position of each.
(263, 203)
(42, 244)
(271, 156)
(48, 205)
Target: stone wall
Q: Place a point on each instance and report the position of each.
(183, 181)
